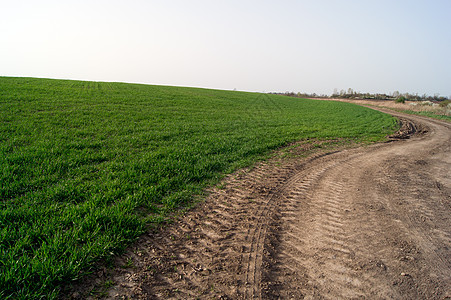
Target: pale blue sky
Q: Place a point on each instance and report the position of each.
(307, 46)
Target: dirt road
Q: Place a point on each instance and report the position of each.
(372, 222)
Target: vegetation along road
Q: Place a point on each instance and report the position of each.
(371, 222)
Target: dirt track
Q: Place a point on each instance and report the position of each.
(372, 222)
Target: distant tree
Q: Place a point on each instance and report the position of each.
(351, 94)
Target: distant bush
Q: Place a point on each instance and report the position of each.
(445, 103)
(400, 99)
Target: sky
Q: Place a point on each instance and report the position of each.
(315, 46)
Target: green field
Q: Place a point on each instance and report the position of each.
(86, 167)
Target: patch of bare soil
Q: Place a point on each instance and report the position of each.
(407, 129)
(372, 222)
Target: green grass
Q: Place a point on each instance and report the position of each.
(429, 114)
(86, 167)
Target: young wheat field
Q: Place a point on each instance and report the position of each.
(86, 167)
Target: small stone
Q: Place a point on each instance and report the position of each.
(404, 274)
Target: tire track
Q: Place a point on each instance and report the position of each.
(322, 231)
(257, 236)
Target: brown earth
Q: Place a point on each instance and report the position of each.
(369, 222)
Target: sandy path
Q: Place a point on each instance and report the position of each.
(371, 222)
